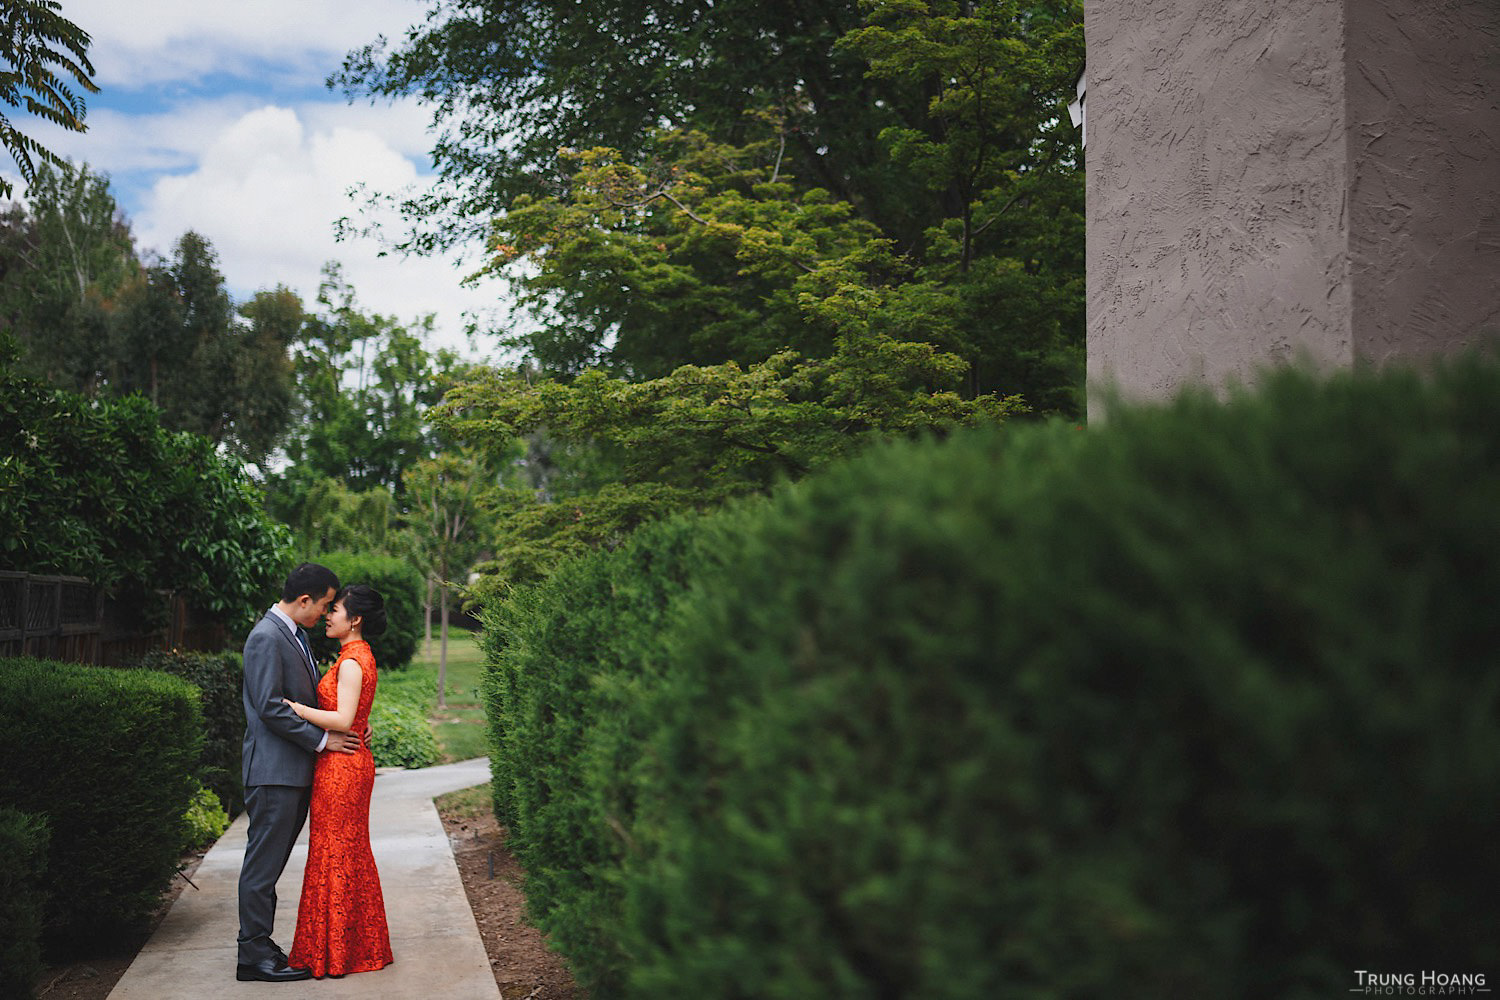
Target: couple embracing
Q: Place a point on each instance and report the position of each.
(307, 751)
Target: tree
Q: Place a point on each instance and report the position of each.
(87, 487)
(364, 385)
(365, 381)
(511, 83)
(66, 259)
(449, 496)
(178, 341)
(707, 253)
(701, 435)
(37, 46)
(938, 128)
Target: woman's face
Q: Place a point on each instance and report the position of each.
(339, 623)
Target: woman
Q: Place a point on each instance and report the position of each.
(341, 918)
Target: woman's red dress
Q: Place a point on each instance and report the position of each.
(341, 918)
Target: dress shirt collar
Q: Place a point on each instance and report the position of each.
(286, 620)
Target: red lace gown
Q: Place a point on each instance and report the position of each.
(341, 918)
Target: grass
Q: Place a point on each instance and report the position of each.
(459, 727)
(466, 803)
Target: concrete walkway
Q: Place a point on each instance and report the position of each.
(433, 936)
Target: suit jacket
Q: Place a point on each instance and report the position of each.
(280, 748)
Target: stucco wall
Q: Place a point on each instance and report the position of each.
(1423, 99)
(1269, 180)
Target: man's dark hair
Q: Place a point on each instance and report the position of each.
(310, 579)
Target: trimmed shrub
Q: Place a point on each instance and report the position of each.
(1197, 704)
(1200, 704)
(23, 861)
(400, 584)
(109, 757)
(400, 735)
(220, 677)
(205, 820)
(566, 658)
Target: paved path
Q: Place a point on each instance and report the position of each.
(433, 936)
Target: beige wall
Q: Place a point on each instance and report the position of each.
(1269, 180)
(1423, 93)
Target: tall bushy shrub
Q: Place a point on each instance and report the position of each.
(94, 483)
(566, 658)
(23, 861)
(1197, 704)
(400, 584)
(1201, 704)
(219, 676)
(109, 757)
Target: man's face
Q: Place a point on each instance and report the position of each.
(309, 611)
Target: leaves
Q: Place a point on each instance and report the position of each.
(98, 489)
(37, 47)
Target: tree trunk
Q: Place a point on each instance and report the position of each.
(427, 619)
(443, 653)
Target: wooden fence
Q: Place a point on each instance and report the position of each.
(66, 618)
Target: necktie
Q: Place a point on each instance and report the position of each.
(306, 650)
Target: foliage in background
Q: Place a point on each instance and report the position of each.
(450, 498)
(94, 317)
(334, 518)
(109, 756)
(204, 821)
(219, 677)
(98, 489)
(68, 258)
(364, 383)
(700, 435)
(754, 145)
(23, 895)
(779, 234)
(401, 586)
(1043, 711)
(399, 733)
(38, 49)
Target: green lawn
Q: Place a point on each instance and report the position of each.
(460, 727)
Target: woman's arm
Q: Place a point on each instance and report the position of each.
(350, 681)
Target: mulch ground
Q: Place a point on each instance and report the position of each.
(524, 968)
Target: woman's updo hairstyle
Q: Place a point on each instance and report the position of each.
(364, 602)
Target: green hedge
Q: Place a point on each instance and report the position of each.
(109, 757)
(400, 735)
(220, 677)
(567, 659)
(1197, 704)
(400, 584)
(23, 862)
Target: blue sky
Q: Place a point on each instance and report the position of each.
(214, 116)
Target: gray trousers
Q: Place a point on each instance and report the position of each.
(277, 814)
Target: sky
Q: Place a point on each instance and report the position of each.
(213, 116)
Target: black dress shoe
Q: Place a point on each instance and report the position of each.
(268, 970)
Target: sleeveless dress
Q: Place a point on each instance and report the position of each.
(341, 917)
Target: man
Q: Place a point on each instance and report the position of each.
(279, 752)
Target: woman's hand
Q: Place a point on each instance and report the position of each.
(300, 709)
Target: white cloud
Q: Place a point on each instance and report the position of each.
(174, 140)
(155, 41)
(266, 193)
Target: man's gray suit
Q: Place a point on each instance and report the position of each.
(279, 752)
